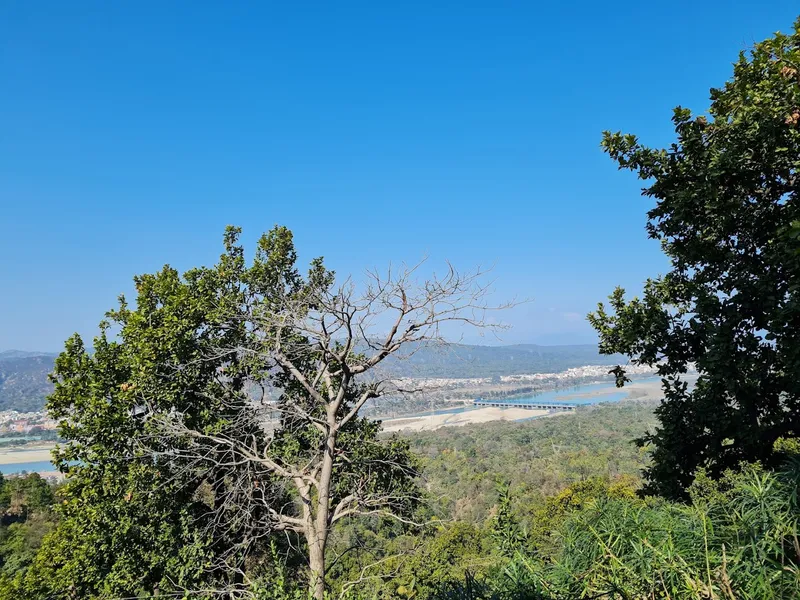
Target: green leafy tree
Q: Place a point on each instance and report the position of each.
(22, 495)
(506, 531)
(321, 347)
(133, 518)
(26, 517)
(728, 217)
(223, 408)
(457, 552)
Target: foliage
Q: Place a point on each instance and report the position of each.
(132, 520)
(728, 218)
(736, 540)
(26, 517)
(540, 458)
(20, 496)
(446, 557)
(177, 480)
(731, 544)
(507, 534)
(555, 510)
(577, 457)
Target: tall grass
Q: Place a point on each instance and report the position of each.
(737, 540)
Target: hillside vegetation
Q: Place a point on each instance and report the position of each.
(463, 360)
(540, 510)
(539, 458)
(548, 510)
(24, 383)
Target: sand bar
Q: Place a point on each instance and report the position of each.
(13, 456)
(639, 390)
(478, 415)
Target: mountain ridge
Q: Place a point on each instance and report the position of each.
(10, 354)
(24, 382)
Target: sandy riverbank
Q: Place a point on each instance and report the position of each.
(637, 390)
(478, 415)
(13, 456)
(644, 390)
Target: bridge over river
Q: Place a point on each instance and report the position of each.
(560, 400)
(530, 405)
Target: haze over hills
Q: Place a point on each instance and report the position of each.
(23, 380)
(24, 384)
(8, 354)
(463, 360)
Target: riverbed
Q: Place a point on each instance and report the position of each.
(593, 393)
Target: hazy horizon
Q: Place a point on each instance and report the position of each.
(497, 344)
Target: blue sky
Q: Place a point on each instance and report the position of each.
(132, 133)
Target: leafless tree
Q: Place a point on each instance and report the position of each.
(326, 347)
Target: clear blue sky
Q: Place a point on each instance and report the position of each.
(132, 133)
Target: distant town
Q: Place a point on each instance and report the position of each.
(14, 422)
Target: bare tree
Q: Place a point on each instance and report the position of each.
(325, 347)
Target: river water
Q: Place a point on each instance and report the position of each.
(593, 393)
(583, 395)
(28, 467)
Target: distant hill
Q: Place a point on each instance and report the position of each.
(23, 380)
(6, 354)
(462, 360)
(24, 384)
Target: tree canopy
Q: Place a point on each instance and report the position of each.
(728, 217)
(219, 415)
(133, 521)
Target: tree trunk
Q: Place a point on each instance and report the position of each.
(316, 556)
(317, 534)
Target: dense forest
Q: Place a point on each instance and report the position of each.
(546, 508)
(27, 514)
(462, 466)
(176, 487)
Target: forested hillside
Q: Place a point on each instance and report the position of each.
(537, 510)
(23, 381)
(462, 465)
(462, 360)
(26, 517)
(548, 510)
